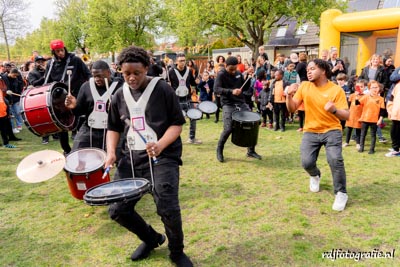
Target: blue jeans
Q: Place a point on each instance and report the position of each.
(16, 111)
(311, 145)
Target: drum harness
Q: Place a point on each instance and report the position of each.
(51, 67)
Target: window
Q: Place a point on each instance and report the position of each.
(391, 3)
(281, 32)
(302, 29)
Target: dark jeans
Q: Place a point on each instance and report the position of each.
(348, 134)
(280, 110)
(165, 195)
(302, 116)
(269, 113)
(395, 135)
(311, 145)
(218, 103)
(5, 124)
(186, 105)
(364, 131)
(64, 141)
(227, 113)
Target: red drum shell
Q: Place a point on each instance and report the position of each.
(84, 170)
(43, 109)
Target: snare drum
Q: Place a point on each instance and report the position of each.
(43, 109)
(245, 125)
(84, 169)
(122, 190)
(208, 107)
(194, 114)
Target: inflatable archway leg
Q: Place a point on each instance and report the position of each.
(329, 36)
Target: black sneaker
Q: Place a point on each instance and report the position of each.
(181, 260)
(143, 250)
(253, 154)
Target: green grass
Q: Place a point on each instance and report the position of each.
(243, 212)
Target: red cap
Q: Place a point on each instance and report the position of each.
(56, 44)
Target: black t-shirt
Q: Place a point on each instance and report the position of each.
(161, 112)
(225, 83)
(85, 102)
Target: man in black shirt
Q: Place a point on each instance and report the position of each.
(230, 85)
(151, 106)
(56, 71)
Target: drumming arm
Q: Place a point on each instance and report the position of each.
(170, 135)
(112, 142)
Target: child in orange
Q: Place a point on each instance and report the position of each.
(355, 114)
(373, 108)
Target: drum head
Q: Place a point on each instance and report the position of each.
(85, 160)
(245, 116)
(194, 114)
(116, 191)
(208, 107)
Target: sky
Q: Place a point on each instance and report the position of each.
(39, 9)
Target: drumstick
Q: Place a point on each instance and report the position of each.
(128, 122)
(244, 83)
(69, 72)
(106, 172)
(9, 92)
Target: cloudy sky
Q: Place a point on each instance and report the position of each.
(39, 9)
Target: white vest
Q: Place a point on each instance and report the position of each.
(137, 117)
(98, 118)
(182, 90)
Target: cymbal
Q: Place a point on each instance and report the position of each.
(40, 166)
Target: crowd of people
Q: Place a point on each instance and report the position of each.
(151, 95)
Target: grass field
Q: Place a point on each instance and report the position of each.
(243, 212)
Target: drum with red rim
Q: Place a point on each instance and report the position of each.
(44, 111)
(84, 170)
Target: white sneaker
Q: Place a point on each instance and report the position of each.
(392, 154)
(314, 183)
(345, 144)
(340, 201)
(15, 130)
(358, 146)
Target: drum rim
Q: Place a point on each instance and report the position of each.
(207, 102)
(246, 111)
(57, 122)
(197, 111)
(102, 153)
(105, 200)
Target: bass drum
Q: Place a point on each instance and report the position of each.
(245, 125)
(43, 109)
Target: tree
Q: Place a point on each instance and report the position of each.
(11, 21)
(249, 21)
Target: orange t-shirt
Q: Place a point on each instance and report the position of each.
(355, 113)
(279, 97)
(371, 107)
(318, 120)
(3, 106)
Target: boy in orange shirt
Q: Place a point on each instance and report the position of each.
(355, 114)
(373, 108)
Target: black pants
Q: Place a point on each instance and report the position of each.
(4, 125)
(218, 103)
(302, 116)
(280, 110)
(364, 131)
(83, 136)
(395, 135)
(185, 106)
(64, 142)
(269, 113)
(228, 110)
(165, 195)
(348, 134)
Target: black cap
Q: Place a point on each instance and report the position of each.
(37, 58)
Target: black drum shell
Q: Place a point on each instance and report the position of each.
(136, 193)
(245, 126)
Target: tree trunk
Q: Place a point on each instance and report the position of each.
(5, 40)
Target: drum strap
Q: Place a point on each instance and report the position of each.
(182, 89)
(51, 67)
(137, 117)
